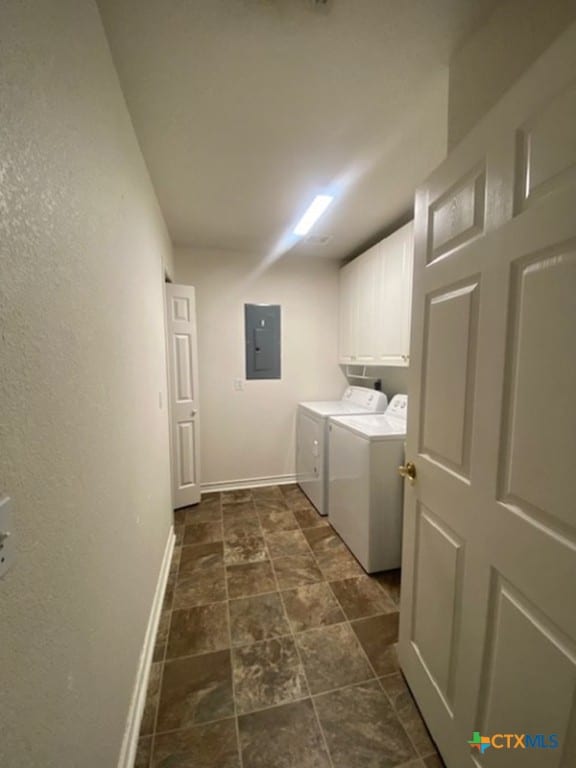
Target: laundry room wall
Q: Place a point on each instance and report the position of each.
(495, 56)
(249, 434)
(83, 439)
(394, 379)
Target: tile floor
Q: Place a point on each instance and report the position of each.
(275, 649)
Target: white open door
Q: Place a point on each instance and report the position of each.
(488, 614)
(183, 393)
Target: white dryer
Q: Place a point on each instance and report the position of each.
(366, 492)
(312, 437)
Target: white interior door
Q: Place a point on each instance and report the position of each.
(183, 389)
(488, 615)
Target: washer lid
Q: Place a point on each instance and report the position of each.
(375, 427)
(334, 408)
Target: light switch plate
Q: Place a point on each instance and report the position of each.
(7, 547)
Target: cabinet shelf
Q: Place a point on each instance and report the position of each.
(351, 375)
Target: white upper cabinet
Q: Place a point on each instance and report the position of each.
(375, 302)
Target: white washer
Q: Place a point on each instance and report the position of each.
(366, 492)
(312, 437)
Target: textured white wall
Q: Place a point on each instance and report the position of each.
(495, 56)
(83, 442)
(250, 434)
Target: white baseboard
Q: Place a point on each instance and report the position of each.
(250, 482)
(130, 742)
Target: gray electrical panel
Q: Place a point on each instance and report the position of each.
(262, 333)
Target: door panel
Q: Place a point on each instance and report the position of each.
(512, 701)
(547, 150)
(183, 368)
(438, 563)
(450, 339)
(543, 321)
(183, 393)
(488, 618)
(457, 216)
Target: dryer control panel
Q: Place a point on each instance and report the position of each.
(371, 399)
(398, 407)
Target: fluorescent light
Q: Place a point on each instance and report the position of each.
(313, 213)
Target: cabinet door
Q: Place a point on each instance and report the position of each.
(394, 298)
(348, 313)
(367, 306)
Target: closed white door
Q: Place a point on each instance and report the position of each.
(183, 394)
(488, 614)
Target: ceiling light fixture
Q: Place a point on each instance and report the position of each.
(312, 214)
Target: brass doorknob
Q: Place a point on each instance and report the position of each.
(408, 470)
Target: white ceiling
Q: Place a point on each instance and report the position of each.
(245, 109)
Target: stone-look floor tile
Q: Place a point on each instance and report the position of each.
(200, 557)
(295, 498)
(169, 593)
(311, 606)
(257, 618)
(203, 514)
(361, 597)
(390, 583)
(201, 587)
(236, 497)
(198, 630)
(277, 520)
(376, 635)
(202, 533)
(308, 517)
(434, 761)
(180, 515)
(250, 579)
(283, 737)
(239, 510)
(276, 504)
(196, 689)
(267, 493)
(388, 660)
(284, 543)
(162, 636)
(151, 703)
(338, 565)
(175, 562)
(362, 729)
(296, 571)
(241, 526)
(210, 499)
(143, 752)
(179, 535)
(247, 548)
(332, 658)
(267, 674)
(213, 745)
(402, 701)
(324, 539)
